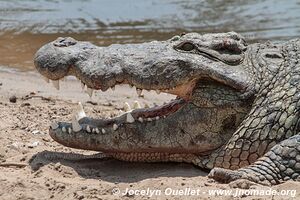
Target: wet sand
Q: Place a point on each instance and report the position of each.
(31, 166)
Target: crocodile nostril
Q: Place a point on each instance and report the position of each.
(64, 42)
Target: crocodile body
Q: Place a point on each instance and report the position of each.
(237, 105)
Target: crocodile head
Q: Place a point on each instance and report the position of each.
(208, 73)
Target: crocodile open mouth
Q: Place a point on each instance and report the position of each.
(128, 115)
(208, 106)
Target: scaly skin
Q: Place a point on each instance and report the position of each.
(235, 102)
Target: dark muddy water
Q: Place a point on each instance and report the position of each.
(26, 25)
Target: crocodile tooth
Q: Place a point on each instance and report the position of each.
(90, 91)
(149, 119)
(103, 89)
(75, 125)
(157, 91)
(82, 86)
(93, 130)
(69, 130)
(103, 130)
(136, 105)
(80, 112)
(146, 105)
(97, 130)
(129, 118)
(140, 119)
(54, 125)
(157, 118)
(88, 129)
(126, 107)
(46, 79)
(64, 129)
(139, 92)
(56, 84)
(113, 88)
(115, 127)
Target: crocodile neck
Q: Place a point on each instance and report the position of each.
(274, 114)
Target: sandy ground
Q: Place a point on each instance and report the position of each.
(32, 164)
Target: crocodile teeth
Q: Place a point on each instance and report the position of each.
(149, 119)
(90, 91)
(157, 118)
(80, 112)
(75, 125)
(46, 79)
(103, 130)
(82, 85)
(56, 84)
(136, 105)
(54, 125)
(129, 118)
(64, 129)
(97, 130)
(88, 129)
(115, 127)
(69, 130)
(139, 92)
(126, 107)
(140, 119)
(157, 91)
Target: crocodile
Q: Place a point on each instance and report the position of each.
(236, 112)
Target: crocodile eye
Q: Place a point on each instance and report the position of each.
(187, 46)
